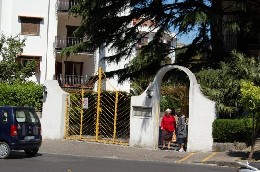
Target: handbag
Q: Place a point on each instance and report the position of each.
(174, 139)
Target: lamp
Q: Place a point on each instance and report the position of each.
(149, 93)
(45, 90)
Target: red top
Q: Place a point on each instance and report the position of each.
(168, 123)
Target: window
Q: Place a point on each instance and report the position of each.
(73, 68)
(20, 116)
(24, 59)
(5, 116)
(32, 117)
(30, 25)
(142, 42)
(26, 115)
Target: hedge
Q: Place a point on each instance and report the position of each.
(232, 130)
(21, 94)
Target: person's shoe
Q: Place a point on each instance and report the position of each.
(163, 148)
(181, 150)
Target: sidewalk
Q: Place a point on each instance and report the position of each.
(92, 149)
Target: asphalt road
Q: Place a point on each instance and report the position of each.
(19, 162)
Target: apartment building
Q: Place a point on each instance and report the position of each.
(48, 29)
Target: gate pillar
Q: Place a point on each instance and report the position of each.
(145, 110)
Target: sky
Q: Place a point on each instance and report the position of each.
(187, 38)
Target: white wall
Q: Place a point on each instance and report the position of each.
(144, 131)
(11, 25)
(49, 63)
(0, 13)
(6, 16)
(54, 111)
(141, 128)
(112, 83)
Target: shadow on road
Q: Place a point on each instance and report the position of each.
(20, 155)
(243, 155)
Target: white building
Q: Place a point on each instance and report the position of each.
(48, 29)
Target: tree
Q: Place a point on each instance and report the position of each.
(106, 23)
(251, 101)
(10, 69)
(223, 85)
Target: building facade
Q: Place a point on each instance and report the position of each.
(48, 29)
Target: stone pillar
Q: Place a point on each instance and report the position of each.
(54, 111)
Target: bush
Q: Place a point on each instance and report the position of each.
(21, 94)
(232, 130)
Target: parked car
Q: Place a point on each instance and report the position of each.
(20, 129)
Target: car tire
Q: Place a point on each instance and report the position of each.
(31, 152)
(4, 150)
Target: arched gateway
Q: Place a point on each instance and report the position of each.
(145, 110)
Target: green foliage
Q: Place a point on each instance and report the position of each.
(251, 101)
(21, 94)
(10, 69)
(232, 130)
(223, 85)
(250, 96)
(167, 102)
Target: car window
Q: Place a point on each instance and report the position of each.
(33, 117)
(26, 115)
(5, 116)
(20, 115)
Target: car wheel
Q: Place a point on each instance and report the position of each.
(31, 152)
(4, 150)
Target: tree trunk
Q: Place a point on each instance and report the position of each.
(216, 32)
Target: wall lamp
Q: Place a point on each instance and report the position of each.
(149, 93)
(44, 90)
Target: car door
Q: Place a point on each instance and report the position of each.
(28, 127)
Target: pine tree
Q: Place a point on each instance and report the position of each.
(106, 22)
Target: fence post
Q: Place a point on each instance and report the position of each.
(81, 112)
(98, 101)
(67, 118)
(115, 117)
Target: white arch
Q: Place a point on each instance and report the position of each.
(145, 110)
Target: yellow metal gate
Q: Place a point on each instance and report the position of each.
(102, 116)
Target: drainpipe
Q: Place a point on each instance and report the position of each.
(47, 44)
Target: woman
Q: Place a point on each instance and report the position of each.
(168, 125)
(181, 131)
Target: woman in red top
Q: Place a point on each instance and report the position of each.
(168, 125)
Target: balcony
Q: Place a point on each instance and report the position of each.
(65, 5)
(64, 42)
(75, 81)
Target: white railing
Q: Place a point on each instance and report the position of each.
(71, 80)
(65, 5)
(63, 42)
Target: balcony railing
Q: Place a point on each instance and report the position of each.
(65, 5)
(74, 81)
(64, 42)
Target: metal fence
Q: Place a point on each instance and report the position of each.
(102, 116)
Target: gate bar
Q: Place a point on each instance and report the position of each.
(98, 101)
(115, 117)
(81, 112)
